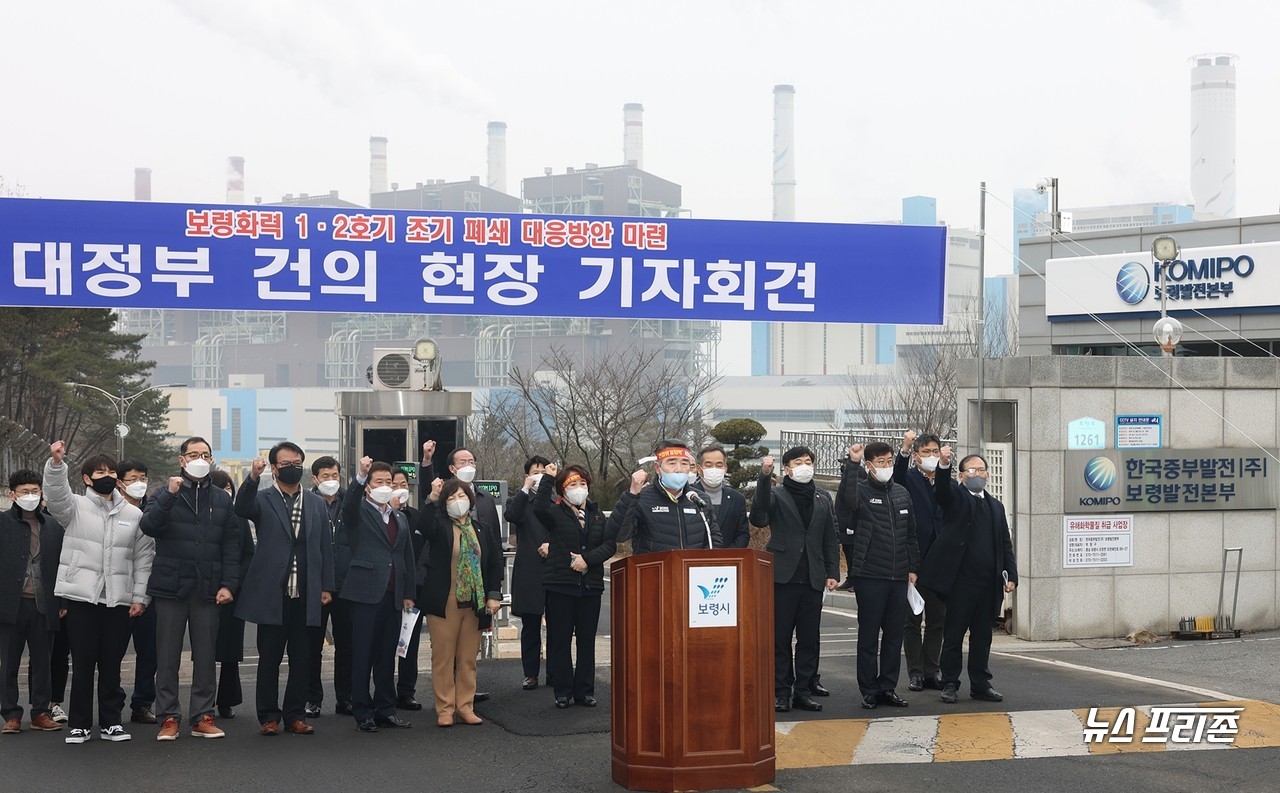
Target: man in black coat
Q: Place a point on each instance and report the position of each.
(326, 472)
(196, 569)
(915, 469)
(381, 582)
(407, 667)
(730, 506)
(802, 539)
(133, 485)
(30, 546)
(290, 579)
(970, 566)
(669, 514)
(528, 600)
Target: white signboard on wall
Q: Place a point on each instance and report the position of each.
(1224, 278)
(1097, 541)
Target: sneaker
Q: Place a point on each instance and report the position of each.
(57, 713)
(115, 733)
(42, 722)
(77, 736)
(168, 730)
(205, 728)
(143, 715)
(13, 726)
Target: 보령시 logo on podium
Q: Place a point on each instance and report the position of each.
(713, 597)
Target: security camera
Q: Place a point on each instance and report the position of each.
(1043, 185)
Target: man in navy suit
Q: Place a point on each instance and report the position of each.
(290, 578)
(380, 582)
(730, 505)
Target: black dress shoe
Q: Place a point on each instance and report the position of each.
(847, 586)
(586, 702)
(530, 683)
(368, 725)
(226, 712)
(949, 695)
(343, 708)
(408, 703)
(934, 682)
(916, 684)
(987, 695)
(391, 721)
(806, 703)
(562, 702)
(891, 697)
(481, 696)
(312, 710)
(782, 705)
(819, 690)
(869, 702)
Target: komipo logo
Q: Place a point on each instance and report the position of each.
(1133, 283)
(1100, 473)
(716, 586)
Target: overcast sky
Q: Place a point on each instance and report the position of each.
(892, 99)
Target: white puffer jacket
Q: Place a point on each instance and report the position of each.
(102, 543)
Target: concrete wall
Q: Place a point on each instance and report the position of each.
(1226, 402)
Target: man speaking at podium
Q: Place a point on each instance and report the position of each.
(669, 514)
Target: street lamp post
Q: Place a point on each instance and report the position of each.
(122, 404)
(1168, 330)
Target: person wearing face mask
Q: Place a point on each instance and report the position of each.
(802, 539)
(915, 468)
(573, 579)
(102, 580)
(229, 647)
(459, 575)
(327, 474)
(196, 570)
(730, 505)
(532, 545)
(380, 585)
(142, 629)
(885, 559)
(30, 544)
(289, 581)
(407, 667)
(970, 566)
(664, 516)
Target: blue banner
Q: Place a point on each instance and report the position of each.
(101, 254)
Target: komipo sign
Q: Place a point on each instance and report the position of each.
(1221, 279)
(98, 254)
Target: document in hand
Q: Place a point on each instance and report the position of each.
(408, 619)
(914, 600)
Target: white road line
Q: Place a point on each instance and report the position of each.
(1047, 733)
(906, 739)
(1206, 693)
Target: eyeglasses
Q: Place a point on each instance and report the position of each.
(198, 456)
(297, 464)
(975, 471)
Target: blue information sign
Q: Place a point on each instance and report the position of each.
(153, 255)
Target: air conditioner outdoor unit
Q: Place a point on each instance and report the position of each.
(395, 370)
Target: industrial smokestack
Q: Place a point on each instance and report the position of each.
(235, 180)
(497, 177)
(141, 184)
(784, 157)
(633, 134)
(377, 165)
(1213, 135)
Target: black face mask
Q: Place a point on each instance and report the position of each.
(103, 485)
(289, 474)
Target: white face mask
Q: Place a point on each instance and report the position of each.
(329, 487)
(802, 473)
(576, 496)
(466, 473)
(928, 464)
(882, 475)
(28, 502)
(712, 477)
(136, 489)
(380, 495)
(458, 507)
(198, 469)
(400, 495)
(537, 480)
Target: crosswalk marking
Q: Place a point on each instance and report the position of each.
(1046, 733)
(973, 736)
(906, 739)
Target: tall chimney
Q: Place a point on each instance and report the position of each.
(235, 180)
(633, 134)
(784, 157)
(1213, 135)
(141, 184)
(377, 165)
(497, 177)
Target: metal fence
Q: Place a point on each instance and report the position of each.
(832, 446)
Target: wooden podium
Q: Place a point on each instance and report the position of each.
(693, 670)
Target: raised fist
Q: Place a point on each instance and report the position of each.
(638, 480)
(908, 440)
(855, 453)
(175, 482)
(530, 482)
(436, 485)
(259, 465)
(428, 450)
(766, 465)
(551, 470)
(945, 456)
(366, 463)
(58, 450)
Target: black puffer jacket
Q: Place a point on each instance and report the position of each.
(566, 537)
(660, 524)
(882, 527)
(197, 542)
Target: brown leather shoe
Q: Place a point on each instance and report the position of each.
(300, 727)
(13, 726)
(206, 728)
(270, 728)
(44, 722)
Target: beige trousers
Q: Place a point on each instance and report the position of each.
(455, 643)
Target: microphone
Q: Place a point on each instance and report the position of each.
(696, 498)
